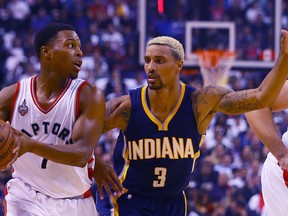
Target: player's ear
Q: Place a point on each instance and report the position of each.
(45, 51)
(179, 65)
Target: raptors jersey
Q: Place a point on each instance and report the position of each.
(156, 159)
(51, 125)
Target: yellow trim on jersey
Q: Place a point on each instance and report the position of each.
(123, 174)
(197, 154)
(201, 140)
(186, 203)
(116, 207)
(162, 126)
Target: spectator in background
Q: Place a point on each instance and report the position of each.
(115, 86)
(237, 126)
(203, 203)
(221, 190)
(124, 17)
(20, 15)
(40, 19)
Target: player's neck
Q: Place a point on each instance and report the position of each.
(163, 102)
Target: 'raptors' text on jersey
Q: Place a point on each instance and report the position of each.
(154, 158)
(51, 125)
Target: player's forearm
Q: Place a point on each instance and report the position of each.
(262, 123)
(71, 154)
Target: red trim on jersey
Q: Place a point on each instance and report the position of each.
(90, 173)
(91, 160)
(285, 175)
(50, 107)
(90, 168)
(14, 101)
(78, 98)
(261, 201)
(5, 203)
(87, 193)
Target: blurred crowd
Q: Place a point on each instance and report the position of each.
(226, 178)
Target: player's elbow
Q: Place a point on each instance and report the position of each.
(266, 98)
(265, 102)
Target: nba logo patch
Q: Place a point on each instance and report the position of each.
(23, 109)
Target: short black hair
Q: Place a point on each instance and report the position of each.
(48, 33)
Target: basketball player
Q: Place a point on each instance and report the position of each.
(58, 119)
(163, 125)
(274, 175)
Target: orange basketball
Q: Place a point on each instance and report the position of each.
(7, 144)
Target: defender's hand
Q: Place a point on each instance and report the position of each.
(105, 176)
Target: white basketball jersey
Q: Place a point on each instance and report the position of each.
(285, 138)
(51, 125)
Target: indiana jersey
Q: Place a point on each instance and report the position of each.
(51, 125)
(154, 158)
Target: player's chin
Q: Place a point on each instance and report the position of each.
(154, 86)
(74, 74)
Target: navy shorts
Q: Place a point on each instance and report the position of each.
(135, 205)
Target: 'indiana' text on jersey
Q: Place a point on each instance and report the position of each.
(160, 148)
(154, 158)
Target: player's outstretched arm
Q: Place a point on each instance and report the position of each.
(268, 91)
(212, 99)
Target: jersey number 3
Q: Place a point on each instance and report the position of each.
(160, 172)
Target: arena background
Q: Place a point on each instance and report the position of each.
(226, 180)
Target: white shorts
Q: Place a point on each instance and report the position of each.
(275, 192)
(22, 200)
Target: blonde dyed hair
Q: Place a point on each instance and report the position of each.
(175, 46)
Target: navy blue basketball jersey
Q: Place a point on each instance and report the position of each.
(154, 158)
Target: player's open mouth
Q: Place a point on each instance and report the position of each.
(78, 64)
(151, 77)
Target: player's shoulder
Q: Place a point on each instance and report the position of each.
(90, 94)
(7, 96)
(89, 88)
(9, 91)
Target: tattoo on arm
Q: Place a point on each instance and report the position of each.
(195, 105)
(109, 108)
(125, 115)
(238, 104)
(117, 115)
(200, 100)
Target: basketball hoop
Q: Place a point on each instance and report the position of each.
(215, 66)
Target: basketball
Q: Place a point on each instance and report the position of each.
(7, 144)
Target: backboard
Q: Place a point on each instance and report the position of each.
(256, 40)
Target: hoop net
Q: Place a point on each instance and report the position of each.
(215, 66)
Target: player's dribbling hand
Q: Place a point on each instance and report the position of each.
(15, 151)
(23, 145)
(105, 176)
